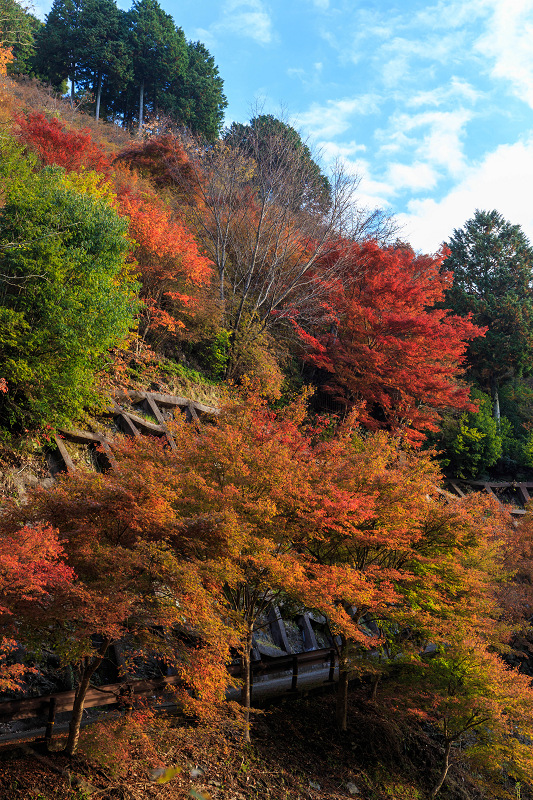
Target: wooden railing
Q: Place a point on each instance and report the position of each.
(129, 691)
(513, 495)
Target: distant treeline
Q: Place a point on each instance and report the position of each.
(130, 64)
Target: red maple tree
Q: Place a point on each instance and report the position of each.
(54, 143)
(384, 347)
(33, 575)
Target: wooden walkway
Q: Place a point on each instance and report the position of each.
(514, 495)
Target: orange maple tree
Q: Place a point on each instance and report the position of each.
(119, 535)
(256, 508)
(6, 57)
(167, 257)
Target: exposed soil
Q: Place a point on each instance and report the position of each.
(296, 754)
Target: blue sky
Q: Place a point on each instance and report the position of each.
(429, 103)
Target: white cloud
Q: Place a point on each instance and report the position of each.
(309, 78)
(416, 177)
(333, 118)
(441, 144)
(248, 18)
(456, 89)
(501, 181)
(331, 151)
(507, 45)
(450, 14)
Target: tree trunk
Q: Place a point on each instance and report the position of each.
(342, 700)
(246, 691)
(375, 684)
(90, 665)
(98, 96)
(445, 767)
(496, 402)
(141, 106)
(72, 90)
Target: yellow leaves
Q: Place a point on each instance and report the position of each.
(89, 182)
(6, 57)
(164, 774)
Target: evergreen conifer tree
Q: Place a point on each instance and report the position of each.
(103, 54)
(196, 97)
(159, 52)
(492, 262)
(58, 44)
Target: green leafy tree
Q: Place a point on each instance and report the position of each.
(274, 144)
(475, 700)
(472, 442)
(65, 293)
(492, 261)
(18, 28)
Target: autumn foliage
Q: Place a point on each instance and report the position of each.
(180, 553)
(32, 576)
(255, 509)
(164, 253)
(54, 143)
(386, 348)
(167, 258)
(6, 57)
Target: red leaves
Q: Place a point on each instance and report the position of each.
(167, 257)
(30, 565)
(164, 160)
(164, 250)
(31, 573)
(389, 346)
(56, 144)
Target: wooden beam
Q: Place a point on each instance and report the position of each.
(143, 424)
(152, 406)
(69, 464)
(80, 437)
(101, 696)
(127, 425)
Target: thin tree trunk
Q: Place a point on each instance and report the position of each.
(98, 96)
(246, 691)
(72, 90)
(375, 684)
(342, 700)
(89, 668)
(141, 106)
(445, 767)
(496, 402)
